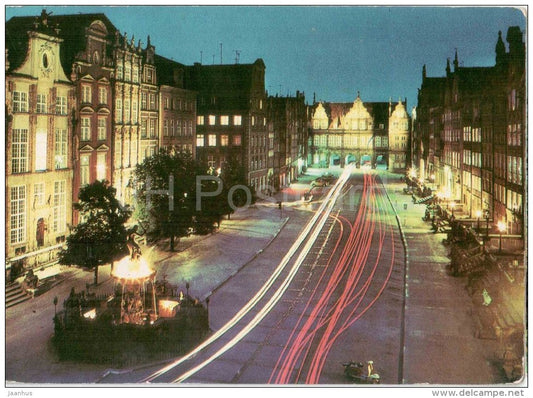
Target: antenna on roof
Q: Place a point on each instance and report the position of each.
(237, 56)
(201, 56)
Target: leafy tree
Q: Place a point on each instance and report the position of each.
(232, 174)
(164, 203)
(101, 236)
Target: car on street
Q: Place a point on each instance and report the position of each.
(329, 178)
(319, 182)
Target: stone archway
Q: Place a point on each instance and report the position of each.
(350, 158)
(335, 160)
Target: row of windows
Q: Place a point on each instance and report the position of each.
(101, 159)
(514, 134)
(21, 103)
(514, 169)
(148, 101)
(174, 128)
(20, 150)
(212, 140)
(86, 129)
(126, 114)
(452, 158)
(471, 134)
(18, 209)
(353, 141)
(471, 158)
(87, 96)
(223, 120)
(178, 104)
(127, 73)
(148, 129)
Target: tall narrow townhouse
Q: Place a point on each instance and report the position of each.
(231, 117)
(39, 103)
(149, 133)
(515, 92)
(177, 112)
(288, 117)
(87, 51)
(398, 137)
(126, 87)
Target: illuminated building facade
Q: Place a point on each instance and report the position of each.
(231, 116)
(39, 147)
(360, 133)
(469, 135)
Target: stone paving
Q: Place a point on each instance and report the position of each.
(439, 342)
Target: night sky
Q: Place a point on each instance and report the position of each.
(333, 51)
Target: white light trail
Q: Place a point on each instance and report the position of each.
(320, 214)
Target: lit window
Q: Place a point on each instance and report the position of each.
(61, 105)
(212, 120)
(143, 100)
(144, 124)
(237, 120)
(19, 151)
(212, 139)
(85, 129)
(18, 214)
(120, 72)
(60, 208)
(41, 103)
(38, 194)
(60, 149)
(41, 141)
(100, 166)
(178, 127)
(118, 108)
(224, 140)
(152, 128)
(127, 110)
(135, 74)
(84, 170)
(200, 120)
(237, 140)
(20, 101)
(200, 140)
(224, 120)
(102, 129)
(165, 128)
(102, 95)
(86, 94)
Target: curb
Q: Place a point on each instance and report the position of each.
(253, 257)
(405, 292)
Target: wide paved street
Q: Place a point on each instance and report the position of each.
(290, 313)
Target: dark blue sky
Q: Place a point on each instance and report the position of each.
(333, 51)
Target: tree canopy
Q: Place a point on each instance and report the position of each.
(100, 238)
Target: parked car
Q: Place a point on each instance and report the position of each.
(319, 182)
(328, 177)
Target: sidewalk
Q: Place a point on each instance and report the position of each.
(205, 262)
(439, 342)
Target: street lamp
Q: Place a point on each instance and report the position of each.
(487, 215)
(502, 227)
(478, 216)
